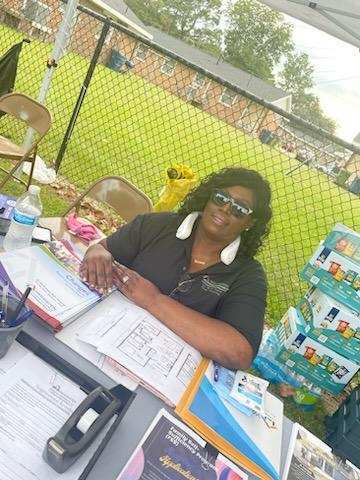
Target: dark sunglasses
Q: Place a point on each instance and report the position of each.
(221, 198)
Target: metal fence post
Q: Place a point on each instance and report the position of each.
(84, 87)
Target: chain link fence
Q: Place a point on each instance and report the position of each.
(148, 107)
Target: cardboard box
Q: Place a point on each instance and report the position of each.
(335, 275)
(344, 241)
(330, 323)
(310, 359)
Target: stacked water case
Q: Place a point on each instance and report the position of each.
(319, 339)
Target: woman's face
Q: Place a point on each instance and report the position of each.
(220, 223)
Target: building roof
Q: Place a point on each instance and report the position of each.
(118, 10)
(234, 75)
(122, 8)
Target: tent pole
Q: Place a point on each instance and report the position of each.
(61, 41)
(84, 87)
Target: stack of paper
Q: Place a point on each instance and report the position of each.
(138, 345)
(70, 336)
(35, 401)
(58, 296)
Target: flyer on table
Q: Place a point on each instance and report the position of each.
(171, 451)
(58, 294)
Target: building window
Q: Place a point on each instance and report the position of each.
(251, 118)
(198, 80)
(168, 66)
(116, 60)
(141, 52)
(37, 12)
(227, 97)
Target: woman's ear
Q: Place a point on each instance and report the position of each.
(249, 224)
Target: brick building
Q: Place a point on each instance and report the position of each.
(41, 18)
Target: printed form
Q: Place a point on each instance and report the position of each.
(57, 292)
(13, 356)
(71, 337)
(35, 401)
(140, 343)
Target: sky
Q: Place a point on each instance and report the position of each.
(336, 75)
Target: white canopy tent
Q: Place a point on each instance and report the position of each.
(108, 11)
(341, 19)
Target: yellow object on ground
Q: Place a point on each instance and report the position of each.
(180, 180)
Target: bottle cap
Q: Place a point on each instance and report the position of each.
(34, 189)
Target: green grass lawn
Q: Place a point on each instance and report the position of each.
(131, 127)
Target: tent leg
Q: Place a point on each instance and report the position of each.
(82, 94)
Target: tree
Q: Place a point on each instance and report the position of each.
(296, 78)
(207, 39)
(194, 21)
(309, 108)
(188, 16)
(147, 11)
(256, 38)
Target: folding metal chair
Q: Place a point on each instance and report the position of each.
(34, 115)
(117, 192)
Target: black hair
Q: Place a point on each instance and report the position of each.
(251, 240)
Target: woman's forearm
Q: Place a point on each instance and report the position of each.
(213, 338)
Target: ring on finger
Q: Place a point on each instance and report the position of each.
(125, 278)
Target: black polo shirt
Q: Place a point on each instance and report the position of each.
(234, 293)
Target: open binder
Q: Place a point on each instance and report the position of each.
(85, 383)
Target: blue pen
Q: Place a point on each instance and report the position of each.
(15, 320)
(216, 372)
(4, 305)
(20, 321)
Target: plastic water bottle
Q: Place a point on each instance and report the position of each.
(26, 213)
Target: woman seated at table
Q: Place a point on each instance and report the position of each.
(194, 270)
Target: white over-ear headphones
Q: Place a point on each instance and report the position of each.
(227, 254)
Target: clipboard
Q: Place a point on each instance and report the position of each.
(85, 383)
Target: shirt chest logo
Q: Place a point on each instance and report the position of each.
(217, 288)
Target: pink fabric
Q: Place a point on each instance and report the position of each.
(82, 229)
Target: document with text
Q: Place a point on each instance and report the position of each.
(141, 344)
(71, 337)
(35, 401)
(58, 295)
